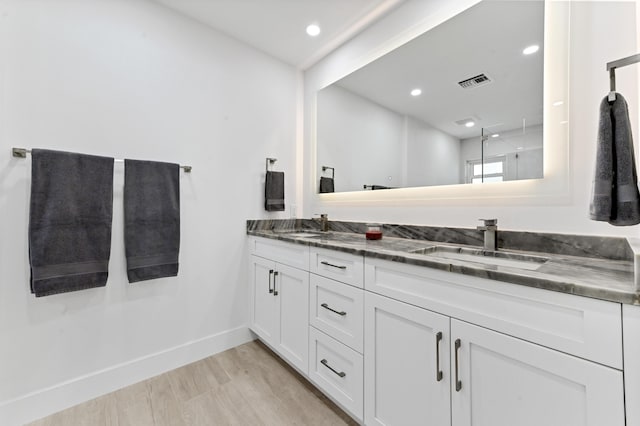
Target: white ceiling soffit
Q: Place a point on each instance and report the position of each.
(277, 27)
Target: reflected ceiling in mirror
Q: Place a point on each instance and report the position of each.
(462, 103)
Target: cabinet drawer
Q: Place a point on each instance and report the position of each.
(345, 267)
(338, 371)
(295, 255)
(337, 309)
(588, 328)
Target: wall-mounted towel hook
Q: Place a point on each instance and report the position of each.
(611, 67)
(325, 168)
(269, 161)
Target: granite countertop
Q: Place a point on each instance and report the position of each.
(607, 278)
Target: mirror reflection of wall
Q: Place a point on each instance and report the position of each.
(473, 76)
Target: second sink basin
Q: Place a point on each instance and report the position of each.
(487, 257)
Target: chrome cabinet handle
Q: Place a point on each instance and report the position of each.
(438, 371)
(326, 364)
(333, 266)
(270, 275)
(458, 381)
(341, 313)
(275, 276)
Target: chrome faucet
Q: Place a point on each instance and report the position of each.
(324, 222)
(490, 229)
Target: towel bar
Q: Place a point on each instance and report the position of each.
(22, 153)
(325, 168)
(269, 161)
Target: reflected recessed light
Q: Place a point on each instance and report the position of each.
(313, 30)
(558, 103)
(469, 124)
(519, 148)
(531, 49)
(495, 135)
(416, 92)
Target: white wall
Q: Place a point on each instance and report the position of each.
(129, 78)
(395, 150)
(352, 128)
(433, 157)
(599, 32)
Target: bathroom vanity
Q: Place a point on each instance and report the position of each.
(411, 331)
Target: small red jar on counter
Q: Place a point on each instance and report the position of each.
(374, 231)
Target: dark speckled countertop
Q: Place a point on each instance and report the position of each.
(597, 267)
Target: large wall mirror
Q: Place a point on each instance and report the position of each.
(460, 104)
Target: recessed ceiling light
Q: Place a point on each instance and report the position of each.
(416, 92)
(531, 49)
(520, 148)
(558, 103)
(313, 30)
(495, 135)
(469, 124)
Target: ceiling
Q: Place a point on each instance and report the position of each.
(277, 27)
(487, 38)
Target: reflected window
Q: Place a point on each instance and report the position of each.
(493, 170)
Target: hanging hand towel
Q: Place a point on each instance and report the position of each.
(70, 216)
(326, 185)
(614, 197)
(152, 219)
(274, 192)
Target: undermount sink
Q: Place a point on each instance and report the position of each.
(303, 234)
(487, 257)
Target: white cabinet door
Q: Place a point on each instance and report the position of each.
(406, 364)
(291, 289)
(498, 380)
(264, 312)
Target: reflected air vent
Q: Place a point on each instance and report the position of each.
(478, 80)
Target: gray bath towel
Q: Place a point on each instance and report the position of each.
(69, 221)
(151, 219)
(326, 185)
(274, 192)
(614, 197)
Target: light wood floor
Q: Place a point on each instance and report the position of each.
(246, 385)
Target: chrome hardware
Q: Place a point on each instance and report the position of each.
(326, 364)
(458, 381)
(438, 371)
(270, 275)
(20, 152)
(341, 313)
(333, 266)
(490, 229)
(324, 221)
(275, 275)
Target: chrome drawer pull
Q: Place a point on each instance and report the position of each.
(326, 364)
(342, 313)
(275, 276)
(458, 382)
(332, 265)
(438, 371)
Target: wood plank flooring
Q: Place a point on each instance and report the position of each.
(246, 385)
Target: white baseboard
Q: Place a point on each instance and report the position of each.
(44, 402)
